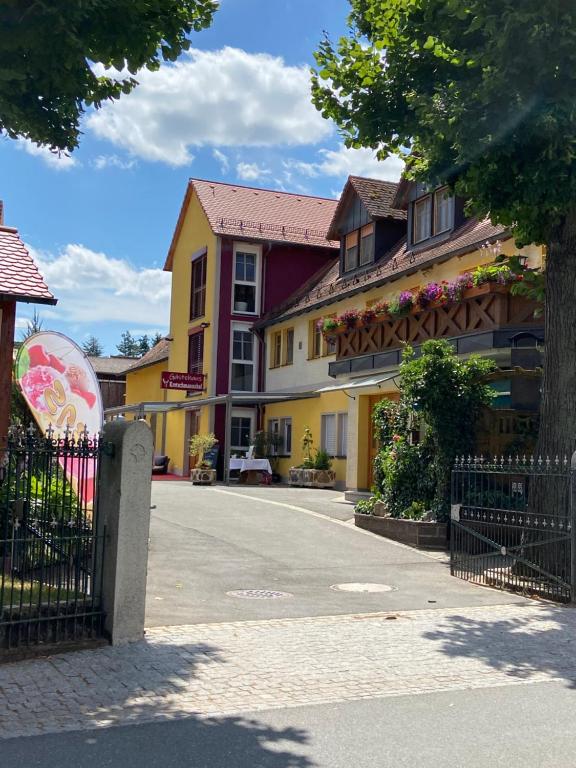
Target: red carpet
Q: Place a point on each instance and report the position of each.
(168, 477)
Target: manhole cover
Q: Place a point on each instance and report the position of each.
(359, 587)
(258, 594)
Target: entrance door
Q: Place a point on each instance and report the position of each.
(374, 445)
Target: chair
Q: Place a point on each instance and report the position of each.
(160, 465)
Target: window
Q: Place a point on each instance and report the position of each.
(196, 352)
(289, 346)
(282, 428)
(245, 281)
(318, 346)
(442, 211)
(422, 219)
(351, 252)
(316, 339)
(334, 434)
(198, 288)
(276, 350)
(242, 377)
(328, 440)
(240, 433)
(367, 244)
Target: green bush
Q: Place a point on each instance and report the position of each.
(366, 506)
(403, 476)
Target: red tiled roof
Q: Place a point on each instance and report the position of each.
(19, 275)
(376, 195)
(330, 287)
(259, 214)
(157, 354)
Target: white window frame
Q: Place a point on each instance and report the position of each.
(256, 250)
(255, 356)
(243, 413)
(341, 434)
(427, 200)
(448, 202)
(281, 423)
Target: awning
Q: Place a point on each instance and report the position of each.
(370, 381)
(235, 399)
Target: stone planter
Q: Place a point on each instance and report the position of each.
(203, 476)
(319, 478)
(416, 533)
(311, 478)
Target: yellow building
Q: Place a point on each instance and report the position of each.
(236, 254)
(253, 273)
(354, 369)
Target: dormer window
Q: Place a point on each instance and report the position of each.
(442, 210)
(367, 244)
(351, 255)
(359, 247)
(422, 222)
(432, 215)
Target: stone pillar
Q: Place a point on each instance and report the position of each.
(124, 509)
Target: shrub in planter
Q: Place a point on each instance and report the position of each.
(403, 476)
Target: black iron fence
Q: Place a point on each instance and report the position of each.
(51, 554)
(512, 524)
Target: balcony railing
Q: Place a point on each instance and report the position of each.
(487, 308)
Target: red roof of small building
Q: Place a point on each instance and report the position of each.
(19, 276)
(259, 214)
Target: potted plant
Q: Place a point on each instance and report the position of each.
(203, 473)
(321, 474)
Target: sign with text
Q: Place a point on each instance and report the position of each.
(62, 391)
(191, 382)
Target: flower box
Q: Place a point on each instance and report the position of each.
(311, 478)
(416, 533)
(203, 476)
(481, 290)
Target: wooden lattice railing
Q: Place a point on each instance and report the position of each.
(488, 308)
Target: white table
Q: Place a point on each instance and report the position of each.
(251, 465)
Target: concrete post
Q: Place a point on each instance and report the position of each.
(124, 509)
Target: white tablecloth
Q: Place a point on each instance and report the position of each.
(245, 465)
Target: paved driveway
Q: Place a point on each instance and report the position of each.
(207, 542)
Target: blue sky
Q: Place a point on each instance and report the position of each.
(236, 108)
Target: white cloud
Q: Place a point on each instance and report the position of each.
(222, 160)
(59, 161)
(359, 162)
(112, 161)
(251, 171)
(94, 288)
(223, 98)
(343, 162)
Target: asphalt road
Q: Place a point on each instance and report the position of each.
(206, 542)
(525, 726)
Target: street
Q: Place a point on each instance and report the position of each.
(435, 672)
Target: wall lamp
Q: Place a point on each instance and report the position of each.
(204, 325)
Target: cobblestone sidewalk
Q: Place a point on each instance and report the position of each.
(223, 669)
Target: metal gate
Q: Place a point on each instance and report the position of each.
(51, 552)
(511, 525)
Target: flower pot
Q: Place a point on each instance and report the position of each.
(481, 290)
(319, 478)
(203, 476)
(416, 533)
(296, 476)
